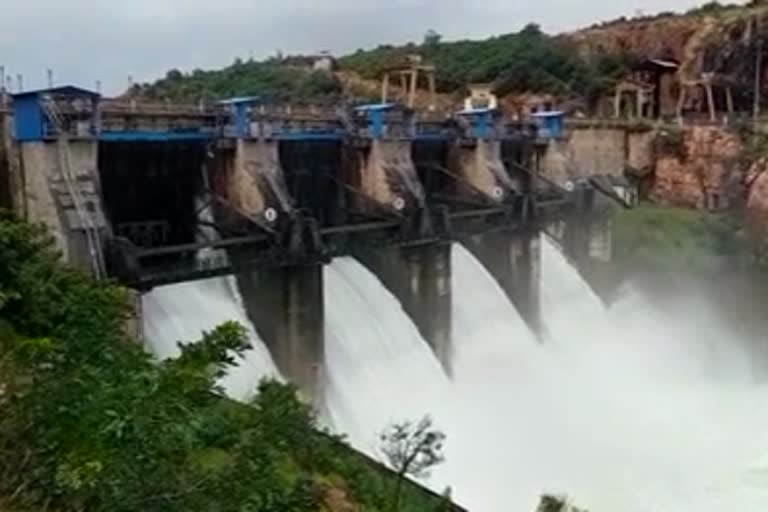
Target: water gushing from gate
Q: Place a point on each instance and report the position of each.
(631, 407)
(626, 408)
(183, 311)
(380, 370)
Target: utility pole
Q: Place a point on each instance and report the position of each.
(758, 73)
(20, 82)
(49, 73)
(3, 90)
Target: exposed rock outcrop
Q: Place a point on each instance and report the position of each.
(336, 499)
(757, 180)
(699, 167)
(723, 44)
(661, 38)
(757, 206)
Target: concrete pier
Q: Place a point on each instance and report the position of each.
(251, 180)
(286, 306)
(587, 241)
(384, 178)
(514, 261)
(586, 238)
(420, 278)
(479, 171)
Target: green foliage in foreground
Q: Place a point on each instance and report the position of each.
(89, 422)
(658, 237)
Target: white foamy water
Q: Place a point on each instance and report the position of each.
(498, 362)
(379, 368)
(182, 312)
(630, 408)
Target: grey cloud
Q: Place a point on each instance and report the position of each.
(107, 40)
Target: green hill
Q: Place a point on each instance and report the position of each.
(583, 65)
(269, 79)
(525, 61)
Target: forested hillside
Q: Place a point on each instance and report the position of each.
(268, 79)
(525, 61)
(528, 60)
(582, 65)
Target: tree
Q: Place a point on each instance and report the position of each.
(532, 30)
(412, 449)
(432, 38)
(551, 503)
(174, 75)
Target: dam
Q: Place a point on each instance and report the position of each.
(569, 280)
(266, 195)
(391, 263)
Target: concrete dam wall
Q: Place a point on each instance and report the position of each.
(268, 203)
(586, 151)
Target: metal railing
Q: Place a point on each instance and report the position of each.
(130, 107)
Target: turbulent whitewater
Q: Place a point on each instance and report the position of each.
(182, 312)
(627, 408)
(631, 408)
(379, 368)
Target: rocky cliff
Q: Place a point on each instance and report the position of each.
(723, 41)
(699, 167)
(667, 37)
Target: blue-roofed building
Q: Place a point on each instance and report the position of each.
(480, 122)
(385, 120)
(42, 114)
(550, 123)
(240, 121)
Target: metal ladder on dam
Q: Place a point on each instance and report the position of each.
(83, 208)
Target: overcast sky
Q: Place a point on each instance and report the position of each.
(108, 40)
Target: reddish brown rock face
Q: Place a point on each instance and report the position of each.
(757, 176)
(701, 169)
(757, 201)
(337, 499)
(697, 43)
(660, 38)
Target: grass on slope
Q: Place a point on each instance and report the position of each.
(652, 236)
